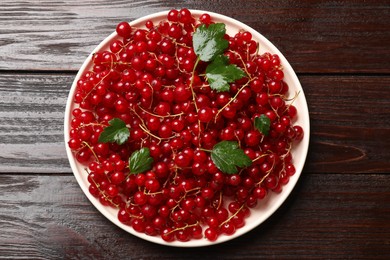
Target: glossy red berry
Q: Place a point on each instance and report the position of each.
(124, 29)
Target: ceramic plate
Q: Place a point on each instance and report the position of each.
(267, 206)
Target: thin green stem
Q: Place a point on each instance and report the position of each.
(192, 82)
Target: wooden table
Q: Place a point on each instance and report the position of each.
(341, 205)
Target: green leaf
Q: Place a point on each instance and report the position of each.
(209, 41)
(220, 73)
(140, 161)
(263, 124)
(115, 132)
(227, 156)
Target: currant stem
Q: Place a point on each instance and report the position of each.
(192, 82)
(292, 100)
(182, 228)
(100, 81)
(287, 152)
(232, 216)
(206, 150)
(265, 176)
(90, 148)
(103, 193)
(231, 100)
(132, 215)
(152, 114)
(153, 135)
(243, 64)
(91, 124)
(259, 157)
(183, 197)
(193, 92)
(220, 200)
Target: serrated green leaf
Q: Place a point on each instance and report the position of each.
(263, 124)
(115, 132)
(220, 73)
(227, 156)
(209, 41)
(140, 161)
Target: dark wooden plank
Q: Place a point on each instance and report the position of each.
(31, 122)
(350, 123)
(322, 36)
(328, 216)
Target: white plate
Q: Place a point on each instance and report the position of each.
(265, 208)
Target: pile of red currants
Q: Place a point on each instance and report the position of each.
(183, 146)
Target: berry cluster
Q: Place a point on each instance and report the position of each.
(152, 80)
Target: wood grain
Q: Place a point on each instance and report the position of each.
(327, 216)
(350, 123)
(31, 122)
(316, 37)
(340, 208)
